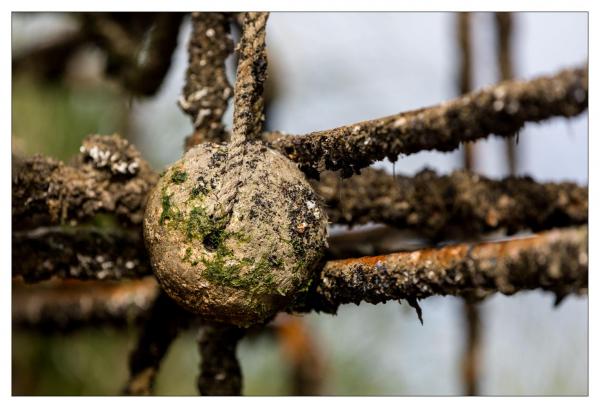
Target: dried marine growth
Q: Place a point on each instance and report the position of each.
(78, 253)
(500, 110)
(165, 321)
(248, 116)
(462, 202)
(69, 305)
(108, 175)
(207, 90)
(555, 260)
(239, 266)
(220, 372)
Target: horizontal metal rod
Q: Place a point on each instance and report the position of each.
(501, 110)
(108, 176)
(555, 260)
(461, 204)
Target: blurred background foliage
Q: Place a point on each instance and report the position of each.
(342, 70)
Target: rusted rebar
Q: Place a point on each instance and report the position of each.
(471, 361)
(139, 46)
(555, 261)
(220, 372)
(504, 25)
(500, 110)
(207, 90)
(79, 253)
(471, 313)
(462, 203)
(109, 175)
(165, 321)
(465, 77)
(70, 305)
(49, 59)
(301, 354)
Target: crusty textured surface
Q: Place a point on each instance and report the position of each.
(234, 257)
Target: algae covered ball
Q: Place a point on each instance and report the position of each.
(234, 237)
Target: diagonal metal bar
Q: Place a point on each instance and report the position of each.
(139, 47)
(500, 110)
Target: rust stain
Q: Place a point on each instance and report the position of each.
(450, 254)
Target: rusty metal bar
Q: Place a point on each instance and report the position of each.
(555, 261)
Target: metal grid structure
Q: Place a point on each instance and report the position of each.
(109, 175)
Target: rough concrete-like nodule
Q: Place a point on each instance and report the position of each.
(234, 237)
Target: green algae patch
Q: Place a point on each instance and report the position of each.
(169, 211)
(179, 176)
(255, 277)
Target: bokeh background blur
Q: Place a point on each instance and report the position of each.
(329, 69)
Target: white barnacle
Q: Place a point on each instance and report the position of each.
(513, 107)
(499, 92)
(202, 113)
(94, 153)
(102, 274)
(184, 103)
(311, 204)
(120, 167)
(399, 122)
(133, 167)
(498, 105)
(196, 96)
(210, 32)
